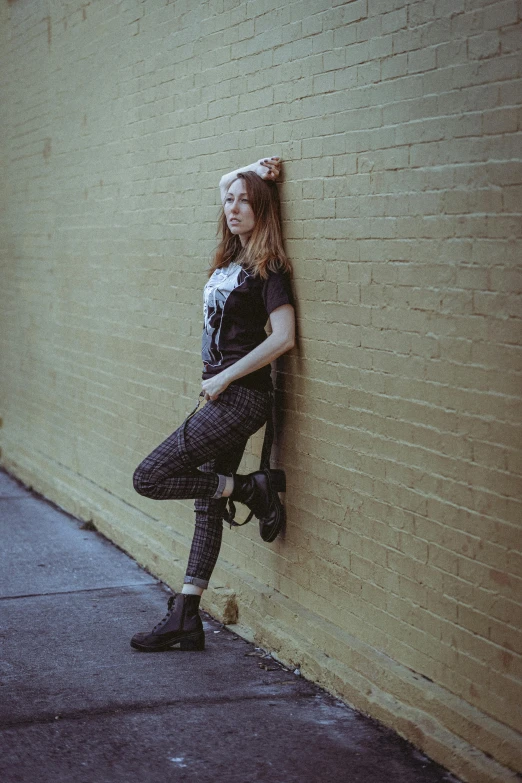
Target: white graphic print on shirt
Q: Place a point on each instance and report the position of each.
(215, 295)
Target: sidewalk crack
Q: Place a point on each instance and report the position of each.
(79, 591)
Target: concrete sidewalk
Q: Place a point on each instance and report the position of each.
(78, 705)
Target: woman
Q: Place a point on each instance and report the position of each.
(248, 284)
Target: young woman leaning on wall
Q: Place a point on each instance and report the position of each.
(249, 283)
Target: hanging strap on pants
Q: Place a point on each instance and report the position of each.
(266, 451)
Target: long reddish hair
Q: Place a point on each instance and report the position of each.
(264, 250)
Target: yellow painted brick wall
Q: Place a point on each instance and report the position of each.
(398, 582)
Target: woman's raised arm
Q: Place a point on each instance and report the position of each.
(266, 168)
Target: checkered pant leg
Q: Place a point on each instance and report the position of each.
(171, 470)
(187, 463)
(208, 531)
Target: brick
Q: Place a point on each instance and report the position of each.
(394, 66)
(510, 39)
(395, 20)
(485, 45)
(499, 15)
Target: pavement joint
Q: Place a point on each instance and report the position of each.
(140, 708)
(120, 588)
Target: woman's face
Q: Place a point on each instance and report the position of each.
(238, 211)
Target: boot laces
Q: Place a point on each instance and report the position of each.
(162, 622)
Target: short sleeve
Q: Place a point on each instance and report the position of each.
(277, 291)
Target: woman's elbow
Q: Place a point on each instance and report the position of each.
(289, 343)
(283, 345)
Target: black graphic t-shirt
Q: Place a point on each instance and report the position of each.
(236, 306)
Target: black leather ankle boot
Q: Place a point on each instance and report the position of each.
(181, 625)
(258, 491)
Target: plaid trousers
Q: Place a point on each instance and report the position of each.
(187, 464)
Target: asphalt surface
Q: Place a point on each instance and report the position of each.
(78, 705)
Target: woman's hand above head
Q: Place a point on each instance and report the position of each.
(268, 168)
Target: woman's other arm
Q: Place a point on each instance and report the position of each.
(282, 339)
(266, 168)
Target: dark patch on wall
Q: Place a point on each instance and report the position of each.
(47, 149)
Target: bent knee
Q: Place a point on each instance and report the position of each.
(142, 481)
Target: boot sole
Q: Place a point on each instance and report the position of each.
(277, 529)
(196, 642)
(277, 480)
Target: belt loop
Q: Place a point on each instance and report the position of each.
(191, 414)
